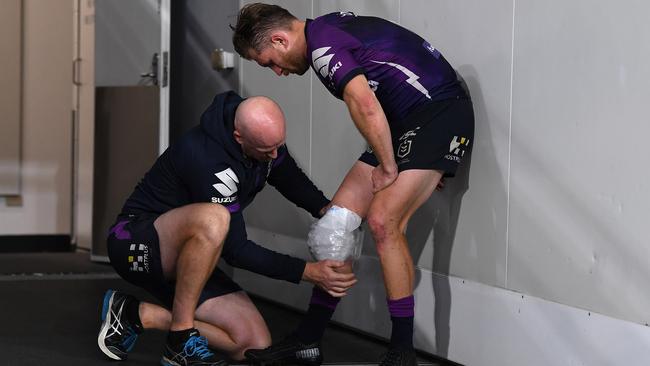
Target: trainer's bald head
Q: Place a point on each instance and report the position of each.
(259, 128)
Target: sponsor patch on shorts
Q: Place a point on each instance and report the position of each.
(457, 148)
(138, 258)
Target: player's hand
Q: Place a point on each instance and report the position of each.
(382, 177)
(334, 277)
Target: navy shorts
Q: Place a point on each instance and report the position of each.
(436, 137)
(134, 251)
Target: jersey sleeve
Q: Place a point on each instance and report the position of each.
(332, 56)
(335, 68)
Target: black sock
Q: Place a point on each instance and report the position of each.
(313, 324)
(401, 313)
(402, 333)
(179, 337)
(321, 308)
(133, 315)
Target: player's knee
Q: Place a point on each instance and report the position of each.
(378, 223)
(384, 228)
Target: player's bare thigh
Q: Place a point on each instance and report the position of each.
(397, 203)
(355, 192)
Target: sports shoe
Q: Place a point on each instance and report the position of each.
(399, 357)
(288, 351)
(193, 352)
(117, 335)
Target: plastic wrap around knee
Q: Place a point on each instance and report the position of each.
(336, 235)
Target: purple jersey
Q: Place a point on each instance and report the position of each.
(403, 69)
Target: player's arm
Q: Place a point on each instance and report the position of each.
(370, 120)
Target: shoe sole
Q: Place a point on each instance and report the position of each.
(164, 361)
(106, 324)
(278, 363)
(284, 362)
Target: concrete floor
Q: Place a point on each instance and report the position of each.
(50, 307)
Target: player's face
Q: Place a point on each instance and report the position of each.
(281, 61)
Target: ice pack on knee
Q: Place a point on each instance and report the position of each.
(336, 235)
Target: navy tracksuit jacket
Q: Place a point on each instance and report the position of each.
(207, 165)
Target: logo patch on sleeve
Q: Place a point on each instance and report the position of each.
(227, 188)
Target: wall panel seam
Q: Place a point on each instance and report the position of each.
(399, 12)
(21, 101)
(512, 68)
(311, 111)
(241, 62)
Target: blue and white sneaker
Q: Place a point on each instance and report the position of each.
(117, 335)
(193, 352)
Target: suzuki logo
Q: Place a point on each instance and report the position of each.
(229, 180)
(335, 69)
(321, 60)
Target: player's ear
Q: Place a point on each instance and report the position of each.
(279, 39)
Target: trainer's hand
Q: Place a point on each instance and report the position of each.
(323, 210)
(327, 275)
(383, 176)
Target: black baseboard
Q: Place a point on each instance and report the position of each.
(35, 243)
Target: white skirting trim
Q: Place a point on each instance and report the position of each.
(469, 322)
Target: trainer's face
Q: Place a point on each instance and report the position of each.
(282, 60)
(261, 143)
(259, 151)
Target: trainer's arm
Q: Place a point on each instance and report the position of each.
(240, 252)
(287, 177)
(370, 120)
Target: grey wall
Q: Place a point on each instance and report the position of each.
(198, 27)
(127, 34)
(579, 189)
(555, 202)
